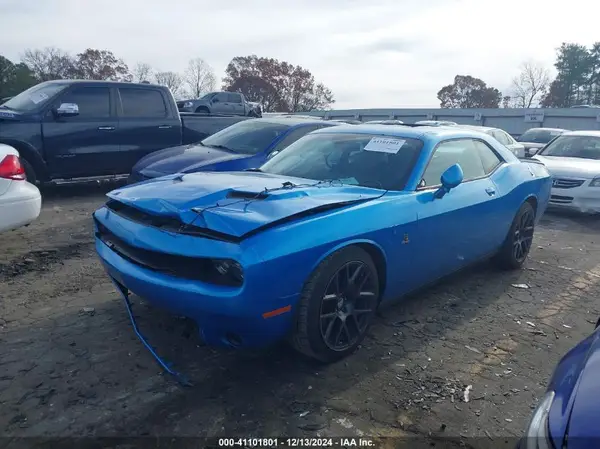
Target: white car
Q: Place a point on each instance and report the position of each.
(501, 136)
(20, 201)
(573, 160)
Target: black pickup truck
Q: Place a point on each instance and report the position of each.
(71, 129)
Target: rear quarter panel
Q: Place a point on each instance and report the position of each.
(517, 182)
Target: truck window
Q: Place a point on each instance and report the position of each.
(93, 102)
(221, 97)
(142, 103)
(235, 98)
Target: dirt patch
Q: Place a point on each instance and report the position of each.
(71, 365)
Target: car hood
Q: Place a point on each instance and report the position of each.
(580, 409)
(237, 204)
(178, 159)
(7, 114)
(570, 166)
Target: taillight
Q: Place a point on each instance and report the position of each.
(11, 168)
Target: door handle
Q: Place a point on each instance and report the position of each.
(490, 191)
(165, 127)
(106, 128)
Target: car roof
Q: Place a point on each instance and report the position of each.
(546, 129)
(478, 128)
(106, 82)
(431, 133)
(588, 133)
(293, 121)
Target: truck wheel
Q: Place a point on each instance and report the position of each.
(337, 305)
(252, 114)
(202, 110)
(29, 172)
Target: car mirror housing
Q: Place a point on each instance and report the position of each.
(450, 179)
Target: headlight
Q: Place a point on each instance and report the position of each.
(231, 271)
(595, 182)
(188, 104)
(537, 432)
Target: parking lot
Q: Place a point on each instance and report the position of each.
(70, 363)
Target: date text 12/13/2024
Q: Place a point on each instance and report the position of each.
(295, 442)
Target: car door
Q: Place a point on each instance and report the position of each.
(220, 104)
(85, 144)
(237, 105)
(145, 125)
(454, 229)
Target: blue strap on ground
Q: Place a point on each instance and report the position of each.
(165, 365)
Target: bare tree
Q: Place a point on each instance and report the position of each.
(199, 77)
(49, 63)
(170, 79)
(530, 85)
(142, 72)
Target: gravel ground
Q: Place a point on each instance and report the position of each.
(70, 364)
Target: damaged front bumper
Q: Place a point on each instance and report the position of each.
(230, 315)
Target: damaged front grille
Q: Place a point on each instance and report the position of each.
(171, 224)
(186, 267)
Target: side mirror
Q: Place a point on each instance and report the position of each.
(450, 179)
(67, 110)
(215, 100)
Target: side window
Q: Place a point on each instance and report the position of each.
(508, 138)
(295, 135)
(235, 98)
(142, 103)
(93, 102)
(501, 137)
(489, 158)
(221, 98)
(462, 152)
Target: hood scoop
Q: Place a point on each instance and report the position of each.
(243, 195)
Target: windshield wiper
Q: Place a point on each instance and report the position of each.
(254, 169)
(6, 107)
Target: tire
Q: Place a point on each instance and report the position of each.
(252, 114)
(30, 174)
(311, 329)
(517, 245)
(202, 110)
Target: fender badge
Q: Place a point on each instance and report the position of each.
(405, 240)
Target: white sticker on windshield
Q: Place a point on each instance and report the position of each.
(384, 145)
(38, 97)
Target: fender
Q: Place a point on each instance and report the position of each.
(31, 154)
(381, 263)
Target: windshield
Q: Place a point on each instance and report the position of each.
(584, 147)
(208, 96)
(246, 137)
(538, 135)
(367, 160)
(34, 97)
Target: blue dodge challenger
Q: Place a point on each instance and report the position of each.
(307, 246)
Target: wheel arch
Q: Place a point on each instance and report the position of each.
(373, 249)
(532, 199)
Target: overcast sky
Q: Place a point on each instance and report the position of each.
(395, 53)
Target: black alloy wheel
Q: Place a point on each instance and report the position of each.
(337, 305)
